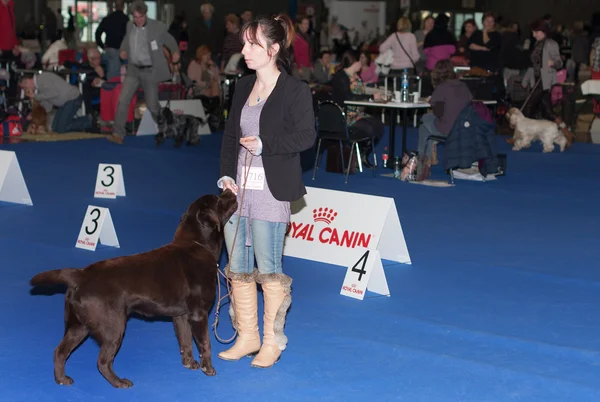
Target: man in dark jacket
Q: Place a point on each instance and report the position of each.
(114, 26)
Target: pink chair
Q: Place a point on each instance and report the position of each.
(557, 92)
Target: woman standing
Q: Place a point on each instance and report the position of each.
(403, 45)
(545, 60)
(270, 123)
(302, 47)
(484, 45)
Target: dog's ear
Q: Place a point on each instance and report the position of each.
(208, 219)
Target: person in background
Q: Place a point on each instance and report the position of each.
(545, 60)
(94, 79)
(440, 43)
(205, 73)
(246, 16)
(147, 65)
(449, 98)
(270, 124)
(468, 28)
(302, 48)
(403, 44)
(485, 45)
(347, 85)
(50, 58)
(178, 30)
(322, 68)
(232, 43)
(368, 70)
(114, 27)
(53, 91)
(208, 31)
(580, 47)
(426, 27)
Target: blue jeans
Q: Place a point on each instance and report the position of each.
(426, 129)
(113, 63)
(261, 239)
(65, 119)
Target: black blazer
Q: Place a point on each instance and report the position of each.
(287, 127)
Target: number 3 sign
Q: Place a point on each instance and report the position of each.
(97, 226)
(109, 181)
(366, 273)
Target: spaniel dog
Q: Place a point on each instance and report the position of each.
(528, 130)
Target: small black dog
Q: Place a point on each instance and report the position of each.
(181, 127)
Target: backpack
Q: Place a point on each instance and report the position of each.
(11, 126)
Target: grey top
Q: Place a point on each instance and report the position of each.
(138, 43)
(53, 91)
(258, 204)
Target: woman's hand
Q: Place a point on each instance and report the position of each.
(123, 55)
(229, 185)
(377, 96)
(250, 143)
(550, 63)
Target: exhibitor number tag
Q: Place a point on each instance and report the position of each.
(256, 178)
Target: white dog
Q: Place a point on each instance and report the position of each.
(528, 130)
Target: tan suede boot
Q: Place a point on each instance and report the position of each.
(244, 317)
(276, 290)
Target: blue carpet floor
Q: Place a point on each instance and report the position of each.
(500, 303)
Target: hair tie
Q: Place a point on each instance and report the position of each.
(276, 19)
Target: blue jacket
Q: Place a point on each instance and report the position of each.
(471, 139)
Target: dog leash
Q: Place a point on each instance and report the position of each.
(220, 272)
(530, 94)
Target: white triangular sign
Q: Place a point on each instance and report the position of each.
(97, 226)
(109, 181)
(366, 272)
(12, 184)
(392, 244)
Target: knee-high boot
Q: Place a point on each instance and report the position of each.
(244, 317)
(277, 295)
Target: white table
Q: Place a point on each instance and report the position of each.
(394, 107)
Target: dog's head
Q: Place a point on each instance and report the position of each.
(206, 217)
(513, 116)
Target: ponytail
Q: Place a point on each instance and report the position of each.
(277, 30)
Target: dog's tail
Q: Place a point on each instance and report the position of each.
(67, 276)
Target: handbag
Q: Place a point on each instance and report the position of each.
(406, 53)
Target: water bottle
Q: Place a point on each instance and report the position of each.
(397, 167)
(404, 90)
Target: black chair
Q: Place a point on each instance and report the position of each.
(331, 125)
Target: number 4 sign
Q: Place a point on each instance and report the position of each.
(366, 273)
(109, 182)
(97, 225)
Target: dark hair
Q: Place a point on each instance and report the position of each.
(368, 56)
(442, 72)
(348, 58)
(277, 30)
(540, 25)
(324, 52)
(469, 21)
(486, 16)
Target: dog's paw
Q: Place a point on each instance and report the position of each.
(192, 365)
(65, 381)
(123, 383)
(209, 371)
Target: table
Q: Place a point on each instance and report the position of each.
(394, 107)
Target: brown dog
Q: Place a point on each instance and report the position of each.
(176, 280)
(39, 119)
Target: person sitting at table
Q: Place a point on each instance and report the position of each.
(53, 91)
(450, 96)
(368, 71)
(347, 85)
(322, 68)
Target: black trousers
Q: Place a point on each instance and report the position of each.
(369, 126)
(540, 105)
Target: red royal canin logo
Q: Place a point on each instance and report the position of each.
(334, 236)
(326, 215)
